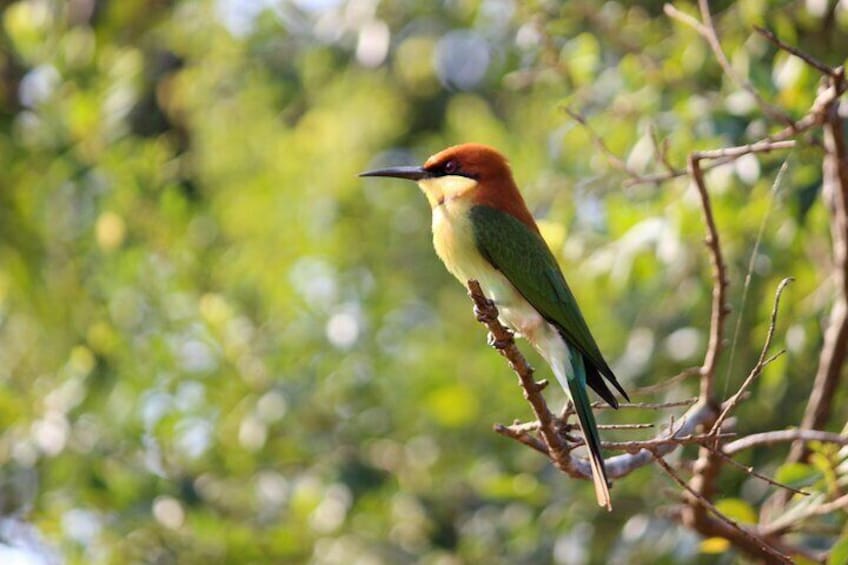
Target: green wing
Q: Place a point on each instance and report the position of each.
(525, 260)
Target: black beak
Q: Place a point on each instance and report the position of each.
(411, 173)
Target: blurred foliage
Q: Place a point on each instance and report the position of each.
(217, 344)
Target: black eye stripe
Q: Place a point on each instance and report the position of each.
(447, 168)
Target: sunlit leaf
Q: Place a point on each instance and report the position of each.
(714, 545)
(738, 510)
(838, 553)
(797, 474)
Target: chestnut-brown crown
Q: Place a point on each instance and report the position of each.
(472, 160)
(495, 185)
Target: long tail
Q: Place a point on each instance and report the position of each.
(577, 391)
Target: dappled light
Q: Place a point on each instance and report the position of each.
(218, 343)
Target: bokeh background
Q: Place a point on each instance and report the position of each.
(218, 345)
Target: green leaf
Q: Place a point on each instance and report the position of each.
(797, 475)
(714, 545)
(738, 510)
(839, 553)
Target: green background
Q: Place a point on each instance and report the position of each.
(218, 345)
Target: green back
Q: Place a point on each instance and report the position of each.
(526, 261)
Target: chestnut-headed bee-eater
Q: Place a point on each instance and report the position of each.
(482, 230)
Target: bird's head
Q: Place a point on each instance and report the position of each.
(462, 171)
(471, 173)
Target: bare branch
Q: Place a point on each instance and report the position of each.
(599, 142)
(821, 67)
(651, 444)
(782, 436)
(790, 519)
(624, 426)
(814, 117)
(762, 146)
(707, 30)
(528, 427)
(552, 443)
(522, 436)
(684, 426)
(727, 155)
(750, 470)
(668, 383)
(835, 191)
(646, 405)
(738, 530)
(661, 148)
(733, 401)
(719, 305)
(551, 435)
(502, 340)
(685, 18)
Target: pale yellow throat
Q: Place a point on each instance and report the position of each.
(441, 189)
(453, 234)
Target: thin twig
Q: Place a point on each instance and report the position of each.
(552, 443)
(529, 427)
(686, 425)
(750, 470)
(746, 285)
(661, 149)
(667, 383)
(814, 117)
(706, 504)
(727, 155)
(685, 18)
(790, 519)
(522, 436)
(650, 444)
(624, 426)
(762, 361)
(821, 67)
(763, 146)
(707, 30)
(646, 405)
(719, 301)
(782, 436)
(613, 159)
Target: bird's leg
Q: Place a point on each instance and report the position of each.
(485, 309)
(564, 429)
(572, 441)
(483, 315)
(497, 343)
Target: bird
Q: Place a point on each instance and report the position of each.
(483, 231)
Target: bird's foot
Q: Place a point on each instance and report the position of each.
(541, 385)
(497, 343)
(485, 315)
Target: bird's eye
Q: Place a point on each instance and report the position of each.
(451, 167)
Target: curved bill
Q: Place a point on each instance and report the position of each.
(411, 173)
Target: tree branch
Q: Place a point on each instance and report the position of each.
(726, 527)
(835, 347)
(699, 513)
(502, 340)
(552, 444)
(782, 436)
(719, 305)
(707, 30)
(731, 403)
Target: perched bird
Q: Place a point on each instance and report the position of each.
(482, 230)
